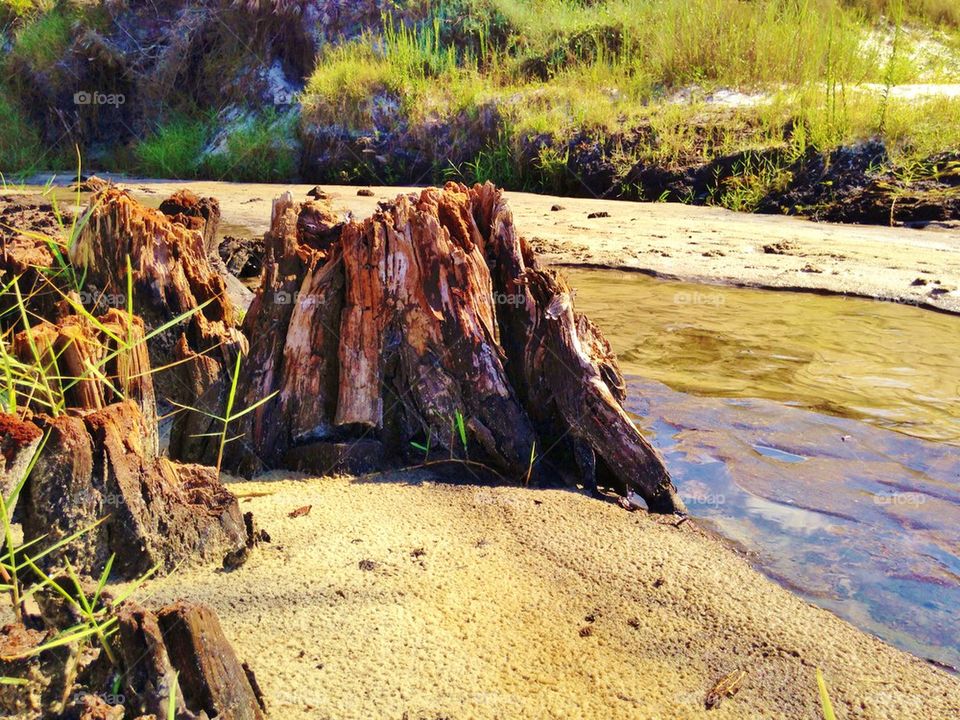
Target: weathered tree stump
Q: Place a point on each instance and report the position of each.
(432, 310)
(19, 440)
(156, 512)
(93, 365)
(171, 276)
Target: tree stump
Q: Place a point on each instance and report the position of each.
(171, 275)
(19, 440)
(183, 646)
(156, 512)
(196, 213)
(432, 323)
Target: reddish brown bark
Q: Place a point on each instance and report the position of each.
(156, 512)
(171, 275)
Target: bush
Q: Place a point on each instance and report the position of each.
(20, 147)
(262, 149)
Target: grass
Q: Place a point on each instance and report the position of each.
(44, 36)
(173, 149)
(609, 71)
(257, 149)
(20, 145)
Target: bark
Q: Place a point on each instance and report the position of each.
(386, 331)
(19, 440)
(94, 364)
(212, 678)
(182, 648)
(48, 674)
(149, 676)
(97, 467)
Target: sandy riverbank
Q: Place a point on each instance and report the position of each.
(698, 244)
(401, 599)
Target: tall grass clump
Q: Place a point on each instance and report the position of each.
(260, 149)
(43, 36)
(173, 149)
(20, 146)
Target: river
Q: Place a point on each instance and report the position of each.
(820, 434)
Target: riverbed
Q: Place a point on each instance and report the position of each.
(817, 431)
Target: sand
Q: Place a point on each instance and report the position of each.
(397, 597)
(698, 244)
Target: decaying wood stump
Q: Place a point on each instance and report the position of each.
(28, 229)
(433, 309)
(93, 365)
(183, 646)
(46, 675)
(212, 678)
(196, 213)
(157, 512)
(171, 276)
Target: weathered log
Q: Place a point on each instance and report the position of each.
(182, 648)
(156, 512)
(171, 276)
(212, 678)
(150, 679)
(431, 311)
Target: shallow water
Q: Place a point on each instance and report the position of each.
(818, 433)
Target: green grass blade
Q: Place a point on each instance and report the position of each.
(825, 703)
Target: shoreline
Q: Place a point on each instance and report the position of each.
(707, 245)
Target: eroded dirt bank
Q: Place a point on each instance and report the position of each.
(399, 598)
(699, 244)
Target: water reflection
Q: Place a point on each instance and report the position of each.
(815, 432)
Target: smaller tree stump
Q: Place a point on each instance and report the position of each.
(157, 512)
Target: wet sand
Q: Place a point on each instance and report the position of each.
(397, 598)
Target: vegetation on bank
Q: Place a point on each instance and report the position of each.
(635, 79)
(538, 95)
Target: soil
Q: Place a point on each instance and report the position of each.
(399, 597)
